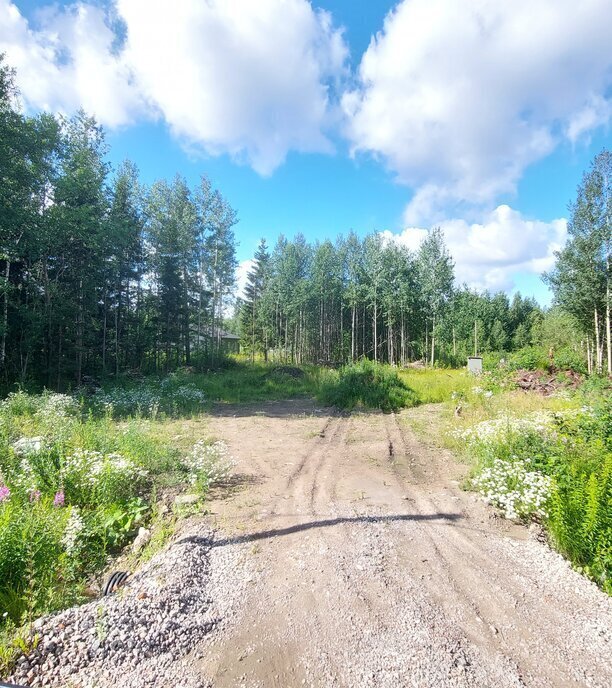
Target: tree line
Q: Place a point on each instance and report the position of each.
(338, 302)
(98, 274)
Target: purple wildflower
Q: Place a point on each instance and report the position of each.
(59, 498)
(5, 493)
(34, 495)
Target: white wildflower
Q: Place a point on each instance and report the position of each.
(74, 528)
(209, 464)
(27, 445)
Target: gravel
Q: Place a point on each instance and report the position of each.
(141, 635)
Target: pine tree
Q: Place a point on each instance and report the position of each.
(252, 321)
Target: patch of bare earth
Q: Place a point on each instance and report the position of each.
(372, 568)
(343, 554)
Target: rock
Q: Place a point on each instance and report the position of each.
(141, 540)
(186, 499)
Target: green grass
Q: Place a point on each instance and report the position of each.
(245, 383)
(435, 385)
(368, 385)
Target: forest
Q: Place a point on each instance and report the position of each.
(102, 276)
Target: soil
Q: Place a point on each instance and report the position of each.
(369, 566)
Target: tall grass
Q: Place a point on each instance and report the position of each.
(435, 385)
(368, 385)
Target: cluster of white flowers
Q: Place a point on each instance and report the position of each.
(46, 406)
(28, 445)
(209, 464)
(540, 422)
(74, 528)
(479, 391)
(148, 401)
(57, 405)
(141, 400)
(25, 477)
(189, 394)
(516, 490)
(85, 466)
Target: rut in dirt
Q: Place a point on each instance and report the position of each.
(375, 569)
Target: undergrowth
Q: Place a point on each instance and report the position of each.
(366, 384)
(74, 490)
(548, 459)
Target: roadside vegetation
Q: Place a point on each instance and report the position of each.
(77, 483)
(540, 458)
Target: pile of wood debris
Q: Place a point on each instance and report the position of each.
(547, 383)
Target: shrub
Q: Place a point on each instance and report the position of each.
(568, 359)
(366, 384)
(529, 358)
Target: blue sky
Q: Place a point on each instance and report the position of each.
(479, 117)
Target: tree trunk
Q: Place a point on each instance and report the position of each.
(79, 337)
(7, 272)
(598, 348)
(353, 309)
(608, 332)
(104, 325)
(433, 341)
(375, 330)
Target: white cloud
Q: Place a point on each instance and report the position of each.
(489, 254)
(248, 78)
(69, 62)
(459, 97)
(251, 79)
(242, 273)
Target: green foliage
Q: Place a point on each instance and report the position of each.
(573, 451)
(366, 384)
(581, 277)
(529, 358)
(570, 359)
(73, 489)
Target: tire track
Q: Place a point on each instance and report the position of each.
(475, 582)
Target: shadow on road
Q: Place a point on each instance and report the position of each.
(325, 523)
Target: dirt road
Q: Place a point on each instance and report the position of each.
(374, 569)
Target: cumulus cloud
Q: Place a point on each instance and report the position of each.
(69, 62)
(251, 79)
(489, 254)
(229, 76)
(458, 98)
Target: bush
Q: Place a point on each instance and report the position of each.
(568, 359)
(367, 384)
(529, 358)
